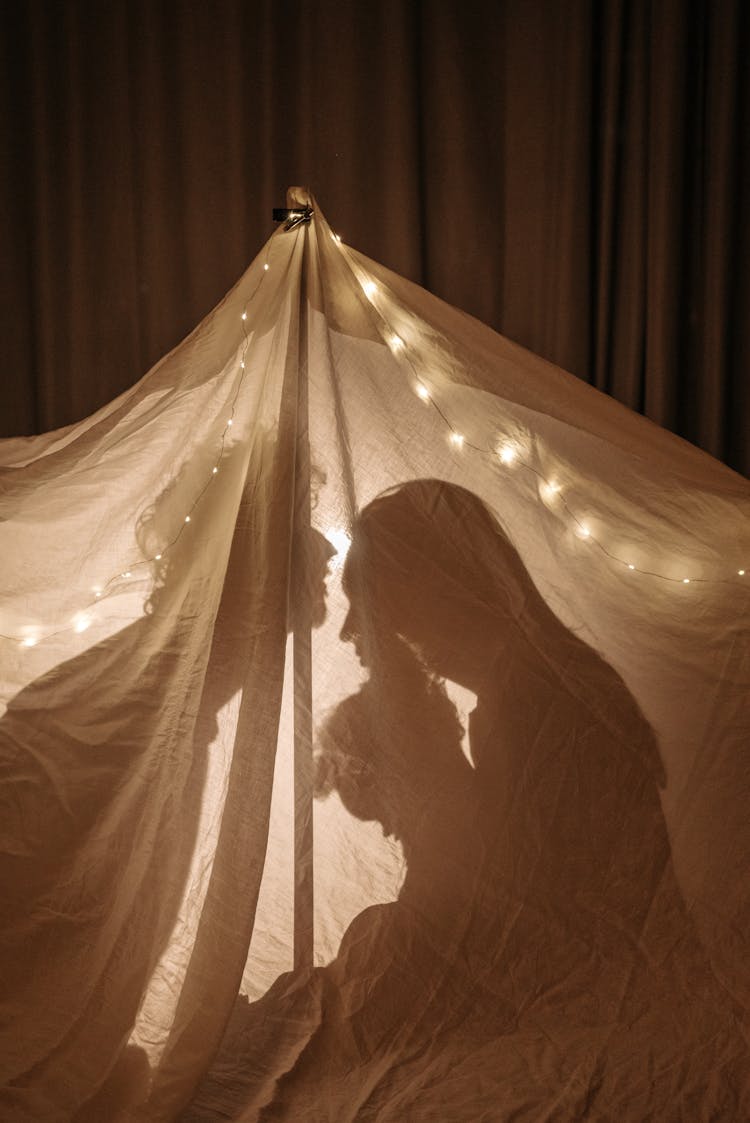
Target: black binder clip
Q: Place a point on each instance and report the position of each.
(292, 216)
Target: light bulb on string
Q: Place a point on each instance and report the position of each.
(396, 343)
(370, 288)
(187, 518)
(214, 470)
(507, 454)
(457, 439)
(630, 565)
(686, 580)
(243, 316)
(423, 392)
(740, 572)
(266, 267)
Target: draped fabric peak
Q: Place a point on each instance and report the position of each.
(375, 709)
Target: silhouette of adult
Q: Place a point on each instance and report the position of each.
(569, 766)
(577, 925)
(539, 961)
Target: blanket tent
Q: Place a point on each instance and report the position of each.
(375, 721)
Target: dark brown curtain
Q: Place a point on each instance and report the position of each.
(570, 171)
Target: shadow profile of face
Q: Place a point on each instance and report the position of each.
(311, 555)
(388, 749)
(428, 562)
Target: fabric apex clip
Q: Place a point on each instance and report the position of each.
(292, 216)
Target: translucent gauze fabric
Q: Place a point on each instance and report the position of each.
(374, 733)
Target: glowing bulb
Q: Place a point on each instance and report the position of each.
(549, 490)
(340, 541)
(336, 237)
(187, 518)
(81, 622)
(157, 557)
(630, 566)
(29, 641)
(127, 573)
(584, 531)
(507, 454)
(740, 573)
(457, 439)
(96, 590)
(370, 289)
(423, 392)
(242, 364)
(686, 580)
(265, 267)
(214, 470)
(396, 342)
(230, 422)
(243, 316)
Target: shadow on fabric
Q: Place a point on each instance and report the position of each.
(539, 957)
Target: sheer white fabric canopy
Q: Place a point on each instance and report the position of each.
(375, 714)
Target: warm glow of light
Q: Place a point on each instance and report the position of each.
(583, 531)
(187, 518)
(507, 454)
(740, 573)
(127, 573)
(97, 590)
(423, 392)
(457, 439)
(686, 580)
(242, 363)
(243, 316)
(549, 489)
(214, 471)
(340, 541)
(396, 343)
(630, 566)
(158, 557)
(230, 422)
(81, 622)
(336, 237)
(29, 641)
(370, 289)
(266, 268)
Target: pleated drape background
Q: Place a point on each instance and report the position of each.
(572, 172)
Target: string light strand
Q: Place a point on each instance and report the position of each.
(508, 454)
(33, 637)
